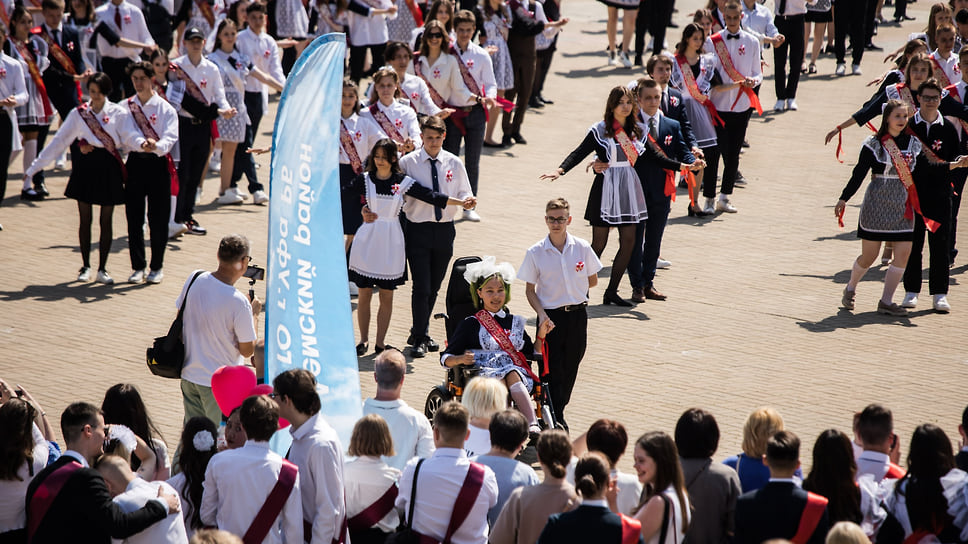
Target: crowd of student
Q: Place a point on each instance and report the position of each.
(460, 478)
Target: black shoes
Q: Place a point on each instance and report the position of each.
(42, 188)
(535, 103)
(545, 100)
(611, 297)
(418, 351)
(361, 348)
(31, 195)
(518, 139)
(506, 141)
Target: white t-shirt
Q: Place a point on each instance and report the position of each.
(478, 443)
(218, 317)
(410, 429)
(629, 488)
(169, 530)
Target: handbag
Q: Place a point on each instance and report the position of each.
(405, 533)
(166, 356)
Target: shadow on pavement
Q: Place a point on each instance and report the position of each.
(82, 292)
(845, 319)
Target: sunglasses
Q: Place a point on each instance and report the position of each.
(435, 36)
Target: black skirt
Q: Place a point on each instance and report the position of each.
(95, 178)
(593, 209)
(819, 16)
(366, 282)
(350, 200)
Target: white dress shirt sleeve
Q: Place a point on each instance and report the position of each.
(487, 76)
(71, 130)
(425, 439)
(131, 136)
(167, 128)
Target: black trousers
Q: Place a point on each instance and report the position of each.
(870, 11)
(6, 143)
(194, 143)
(652, 17)
(358, 60)
(430, 247)
(566, 348)
(147, 177)
(474, 124)
(542, 65)
(937, 263)
(792, 28)
(849, 18)
(244, 163)
(900, 8)
(523, 62)
(648, 243)
(958, 182)
(730, 141)
(120, 82)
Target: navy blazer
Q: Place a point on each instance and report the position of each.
(773, 511)
(60, 85)
(676, 109)
(652, 171)
(583, 525)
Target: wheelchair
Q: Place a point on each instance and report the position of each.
(459, 306)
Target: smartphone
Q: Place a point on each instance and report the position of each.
(255, 273)
(19, 392)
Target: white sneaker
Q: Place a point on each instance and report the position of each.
(260, 197)
(239, 192)
(155, 276)
(137, 277)
(176, 229)
(229, 198)
(792, 104)
(215, 161)
(841, 69)
(780, 105)
(941, 304)
(910, 300)
(84, 274)
(354, 290)
(662, 263)
(624, 58)
(471, 215)
(104, 277)
(855, 69)
(612, 61)
(724, 205)
(710, 206)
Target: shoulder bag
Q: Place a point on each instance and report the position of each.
(166, 356)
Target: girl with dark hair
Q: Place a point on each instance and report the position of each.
(198, 446)
(616, 198)
(161, 67)
(23, 453)
(528, 507)
(438, 68)
(97, 173)
(377, 257)
(398, 56)
(357, 136)
(441, 11)
(833, 474)
(235, 436)
(123, 405)
(657, 463)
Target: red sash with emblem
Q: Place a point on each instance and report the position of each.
(149, 131)
(59, 55)
(473, 87)
(190, 86)
(34, 75)
(726, 61)
(812, 513)
(501, 337)
(346, 142)
(939, 72)
(385, 123)
(459, 114)
(912, 204)
(206, 9)
(90, 119)
(623, 141)
(931, 224)
(690, 81)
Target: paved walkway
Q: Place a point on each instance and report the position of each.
(752, 317)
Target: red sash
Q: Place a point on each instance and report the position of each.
(501, 336)
(670, 175)
(45, 494)
(415, 12)
(631, 529)
(106, 140)
(726, 61)
(274, 504)
(4, 16)
(459, 114)
(904, 173)
(905, 93)
(34, 75)
(939, 73)
(207, 12)
(159, 89)
(59, 55)
(384, 122)
(895, 472)
(149, 131)
(346, 142)
(623, 140)
(810, 517)
(375, 512)
(690, 81)
(465, 73)
(190, 86)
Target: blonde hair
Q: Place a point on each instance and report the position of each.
(759, 427)
(846, 532)
(484, 397)
(215, 536)
(371, 437)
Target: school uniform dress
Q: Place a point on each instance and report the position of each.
(126, 21)
(703, 129)
(819, 12)
(38, 111)
(12, 83)
(477, 77)
(496, 28)
(398, 120)
(492, 361)
(378, 254)
(234, 67)
(402, 26)
(364, 134)
(367, 32)
(616, 196)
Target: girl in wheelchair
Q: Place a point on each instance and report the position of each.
(494, 340)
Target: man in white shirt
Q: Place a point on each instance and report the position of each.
(944, 60)
(317, 451)
(149, 134)
(430, 230)
(558, 271)
(412, 436)
(218, 326)
(238, 482)
(875, 432)
(131, 493)
(197, 93)
(128, 22)
(440, 480)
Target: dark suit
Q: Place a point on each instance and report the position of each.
(84, 507)
(652, 174)
(582, 525)
(673, 108)
(773, 511)
(961, 460)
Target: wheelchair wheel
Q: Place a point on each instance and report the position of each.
(438, 395)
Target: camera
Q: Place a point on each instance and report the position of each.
(255, 273)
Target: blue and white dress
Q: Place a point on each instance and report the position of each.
(493, 361)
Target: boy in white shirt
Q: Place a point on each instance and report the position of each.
(131, 493)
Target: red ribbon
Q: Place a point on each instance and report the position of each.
(840, 146)
(690, 182)
(840, 216)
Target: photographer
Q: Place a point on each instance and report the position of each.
(219, 326)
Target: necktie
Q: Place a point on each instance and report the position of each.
(653, 131)
(665, 101)
(56, 34)
(782, 8)
(732, 36)
(438, 213)
(117, 16)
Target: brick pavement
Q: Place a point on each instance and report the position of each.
(752, 317)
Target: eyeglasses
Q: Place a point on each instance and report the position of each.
(274, 395)
(930, 98)
(435, 36)
(556, 220)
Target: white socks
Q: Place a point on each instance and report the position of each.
(856, 273)
(891, 279)
(523, 401)
(171, 215)
(30, 153)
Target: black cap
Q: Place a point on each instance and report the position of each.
(194, 33)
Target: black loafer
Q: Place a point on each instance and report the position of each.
(535, 103)
(518, 139)
(380, 349)
(494, 146)
(418, 351)
(31, 195)
(431, 345)
(506, 141)
(41, 188)
(545, 100)
(361, 348)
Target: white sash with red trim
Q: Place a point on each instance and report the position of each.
(907, 178)
(689, 80)
(726, 61)
(388, 127)
(191, 87)
(35, 76)
(500, 336)
(149, 132)
(346, 142)
(92, 122)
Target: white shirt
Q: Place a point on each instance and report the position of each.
(111, 118)
(479, 64)
(745, 54)
(444, 76)
(237, 483)
(366, 480)
(162, 117)
(418, 93)
(949, 65)
(644, 120)
(413, 437)
(479, 440)
(438, 485)
(177, 482)
(12, 82)
(170, 530)
(451, 179)
(365, 133)
(874, 463)
(264, 54)
(206, 76)
(169, 5)
(217, 319)
(402, 116)
(793, 7)
(629, 488)
(317, 451)
(758, 21)
(369, 29)
(133, 27)
(13, 492)
(560, 278)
